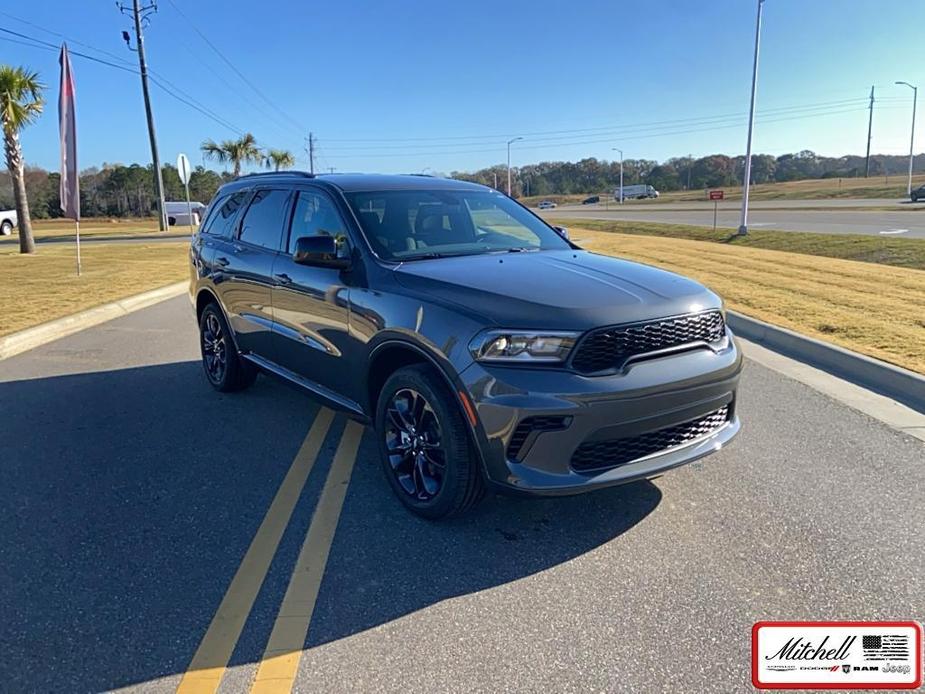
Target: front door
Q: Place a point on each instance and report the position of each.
(311, 304)
(245, 265)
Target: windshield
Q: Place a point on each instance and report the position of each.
(412, 224)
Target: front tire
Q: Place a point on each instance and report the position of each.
(225, 370)
(424, 445)
(6, 228)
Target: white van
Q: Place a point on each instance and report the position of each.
(178, 213)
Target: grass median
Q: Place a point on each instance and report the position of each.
(873, 309)
(884, 250)
(41, 287)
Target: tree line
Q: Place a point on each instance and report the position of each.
(680, 173)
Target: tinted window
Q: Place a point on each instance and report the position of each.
(263, 222)
(221, 221)
(315, 215)
(407, 224)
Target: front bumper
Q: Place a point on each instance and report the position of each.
(650, 396)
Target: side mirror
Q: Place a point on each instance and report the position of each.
(563, 232)
(319, 251)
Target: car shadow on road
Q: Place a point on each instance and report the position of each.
(129, 497)
(386, 563)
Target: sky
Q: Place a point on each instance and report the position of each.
(425, 86)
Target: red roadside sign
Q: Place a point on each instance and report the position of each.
(716, 195)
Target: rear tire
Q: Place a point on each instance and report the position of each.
(6, 228)
(225, 370)
(424, 445)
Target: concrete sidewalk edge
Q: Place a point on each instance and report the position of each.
(886, 379)
(24, 340)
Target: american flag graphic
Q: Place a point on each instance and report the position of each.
(885, 647)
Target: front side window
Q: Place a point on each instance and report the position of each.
(221, 221)
(265, 217)
(315, 215)
(404, 225)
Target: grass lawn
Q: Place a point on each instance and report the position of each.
(877, 310)
(41, 287)
(907, 253)
(816, 188)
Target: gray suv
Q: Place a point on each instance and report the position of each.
(485, 348)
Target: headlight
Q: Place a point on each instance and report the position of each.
(522, 346)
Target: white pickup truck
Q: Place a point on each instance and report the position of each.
(7, 222)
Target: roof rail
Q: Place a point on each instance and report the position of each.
(277, 173)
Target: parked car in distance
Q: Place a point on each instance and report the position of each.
(592, 200)
(638, 192)
(178, 214)
(8, 220)
(485, 349)
(547, 205)
(917, 194)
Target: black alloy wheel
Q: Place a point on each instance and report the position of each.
(225, 369)
(413, 440)
(214, 348)
(425, 445)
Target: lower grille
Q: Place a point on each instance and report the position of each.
(530, 425)
(607, 454)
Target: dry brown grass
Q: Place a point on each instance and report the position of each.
(41, 287)
(873, 309)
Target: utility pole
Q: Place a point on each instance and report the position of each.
(509, 163)
(915, 96)
(870, 130)
(743, 225)
(690, 164)
(311, 153)
(331, 169)
(140, 14)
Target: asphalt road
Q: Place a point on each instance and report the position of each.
(130, 491)
(784, 215)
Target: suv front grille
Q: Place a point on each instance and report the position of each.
(607, 454)
(610, 348)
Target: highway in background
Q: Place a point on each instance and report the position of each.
(131, 492)
(870, 217)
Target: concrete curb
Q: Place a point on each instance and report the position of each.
(892, 381)
(30, 338)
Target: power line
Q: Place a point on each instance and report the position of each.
(194, 27)
(607, 140)
(53, 47)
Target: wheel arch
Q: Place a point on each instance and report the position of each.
(206, 296)
(394, 353)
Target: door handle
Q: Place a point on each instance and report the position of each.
(222, 262)
(283, 278)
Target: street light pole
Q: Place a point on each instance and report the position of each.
(615, 149)
(915, 96)
(743, 226)
(515, 139)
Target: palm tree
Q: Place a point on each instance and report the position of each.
(277, 159)
(240, 151)
(21, 103)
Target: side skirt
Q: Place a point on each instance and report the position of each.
(328, 396)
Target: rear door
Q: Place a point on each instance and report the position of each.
(311, 304)
(244, 266)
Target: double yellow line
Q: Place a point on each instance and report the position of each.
(277, 669)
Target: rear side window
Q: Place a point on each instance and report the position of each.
(315, 215)
(221, 221)
(263, 222)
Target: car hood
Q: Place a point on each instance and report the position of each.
(561, 290)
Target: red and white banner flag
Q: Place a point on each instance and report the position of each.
(67, 125)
